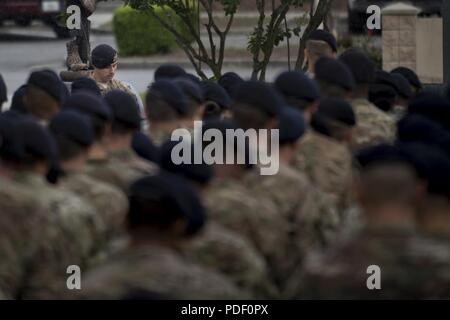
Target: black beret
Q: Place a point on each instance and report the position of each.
(74, 126)
(386, 78)
(322, 35)
(360, 65)
(144, 147)
(338, 110)
(403, 86)
(171, 94)
(161, 199)
(432, 106)
(432, 164)
(416, 128)
(10, 141)
(49, 82)
(382, 95)
(380, 154)
(297, 85)
(291, 125)
(335, 72)
(89, 104)
(410, 75)
(191, 89)
(201, 172)
(3, 91)
(230, 81)
(223, 126)
(103, 56)
(87, 84)
(36, 140)
(124, 108)
(214, 92)
(259, 95)
(17, 100)
(190, 77)
(169, 71)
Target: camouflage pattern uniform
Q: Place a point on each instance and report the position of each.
(328, 165)
(231, 204)
(111, 205)
(121, 169)
(70, 216)
(25, 233)
(228, 253)
(112, 85)
(159, 270)
(309, 213)
(373, 126)
(412, 267)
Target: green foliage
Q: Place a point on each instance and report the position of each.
(138, 32)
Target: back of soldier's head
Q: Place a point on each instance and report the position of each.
(37, 143)
(256, 105)
(334, 77)
(388, 176)
(297, 89)
(73, 133)
(126, 118)
(85, 84)
(198, 172)
(44, 94)
(165, 102)
(94, 107)
(193, 93)
(320, 43)
(166, 203)
(335, 118)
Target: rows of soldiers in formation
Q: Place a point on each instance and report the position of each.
(87, 179)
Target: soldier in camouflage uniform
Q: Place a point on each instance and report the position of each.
(373, 125)
(105, 61)
(411, 265)
(216, 246)
(74, 134)
(165, 107)
(164, 213)
(74, 223)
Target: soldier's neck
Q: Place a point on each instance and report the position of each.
(98, 152)
(119, 142)
(75, 164)
(390, 216)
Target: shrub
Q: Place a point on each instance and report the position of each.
(138, 33)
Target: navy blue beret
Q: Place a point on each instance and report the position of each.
(201, 173)
(103, 56)
(297, 85)
(291, 125)
(360, 65)
(87, 84)
(89, 104)
(161, 199)
(36, 140)
(171, 94)
(334, 72)
(230, 81)
(124, 108)
(214, 92)
(410, 75)
(259, 95)
(49, 82)
(191, 89)
(168, 71)
(74, 126)
(322, 35)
